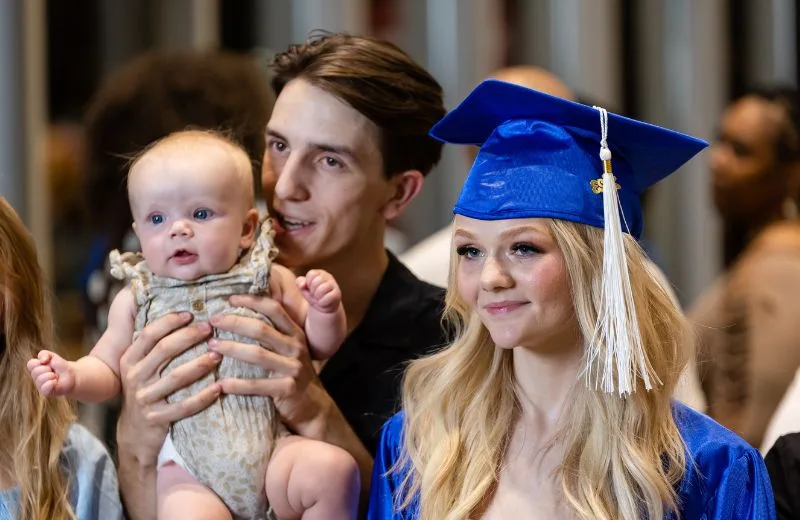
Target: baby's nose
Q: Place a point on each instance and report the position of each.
(181, 228)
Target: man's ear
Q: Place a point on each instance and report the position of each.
(249, 229)
(405, 187)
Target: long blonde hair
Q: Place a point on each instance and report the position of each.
(32, 428)
(622, 457)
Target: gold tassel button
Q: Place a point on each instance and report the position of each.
(597, 185)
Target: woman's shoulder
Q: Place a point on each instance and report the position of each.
(94, 488)
(725, 476)
(392, 434)
(702, 434)
(706, 439)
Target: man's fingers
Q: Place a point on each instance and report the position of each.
(169, 413)
(269, 308)
(256, 355)
(275, 388)
(167, 348)
(153, 333)
(260, 332)
(179, 378)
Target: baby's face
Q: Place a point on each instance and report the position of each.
(190, 210)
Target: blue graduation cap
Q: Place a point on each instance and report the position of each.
(543, 156)
(540, 155)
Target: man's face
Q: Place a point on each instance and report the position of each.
(323, 177)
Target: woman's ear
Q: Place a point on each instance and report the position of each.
(405, 187)
(249, 229)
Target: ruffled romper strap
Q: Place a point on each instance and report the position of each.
(261, 256)
(131, 268)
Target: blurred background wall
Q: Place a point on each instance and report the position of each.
(670, 62)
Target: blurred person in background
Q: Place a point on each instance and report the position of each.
(747, 320)
(347, 150)
(146, 99)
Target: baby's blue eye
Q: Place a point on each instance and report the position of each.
(202, 214)
(156, 219)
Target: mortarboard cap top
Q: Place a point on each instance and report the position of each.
(540, 153)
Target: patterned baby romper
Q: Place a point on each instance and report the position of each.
(228, 445)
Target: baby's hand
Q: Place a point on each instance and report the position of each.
(52, 374)
(320, 290)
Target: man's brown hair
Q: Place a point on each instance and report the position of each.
(381, 82)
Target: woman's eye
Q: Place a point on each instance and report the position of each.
(156, 219)
(202, 214)
(468, 251)
(525, 249)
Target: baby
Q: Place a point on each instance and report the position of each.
(191, 197)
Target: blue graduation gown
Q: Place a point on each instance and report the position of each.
(726, 481)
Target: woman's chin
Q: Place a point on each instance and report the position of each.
(504, 341)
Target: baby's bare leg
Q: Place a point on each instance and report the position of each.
(181, 496)
(312, 480)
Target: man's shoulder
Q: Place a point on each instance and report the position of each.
(406, 312)
(408, 291)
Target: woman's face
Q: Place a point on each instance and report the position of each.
(512, 274)
(747, 180)
(323, 178)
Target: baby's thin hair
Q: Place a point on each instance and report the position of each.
(224, 135)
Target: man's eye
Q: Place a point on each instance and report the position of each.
(278, 146)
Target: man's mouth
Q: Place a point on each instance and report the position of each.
(290, 224)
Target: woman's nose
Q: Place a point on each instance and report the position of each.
(494, 276)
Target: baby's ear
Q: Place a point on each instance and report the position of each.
(249, 229)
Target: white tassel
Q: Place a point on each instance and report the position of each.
(616, 336)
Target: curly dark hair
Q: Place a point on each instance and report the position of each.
(379, 80)
(159, 93)
(787, 146)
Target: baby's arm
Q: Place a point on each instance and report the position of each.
(95, 377)
(317, 301)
